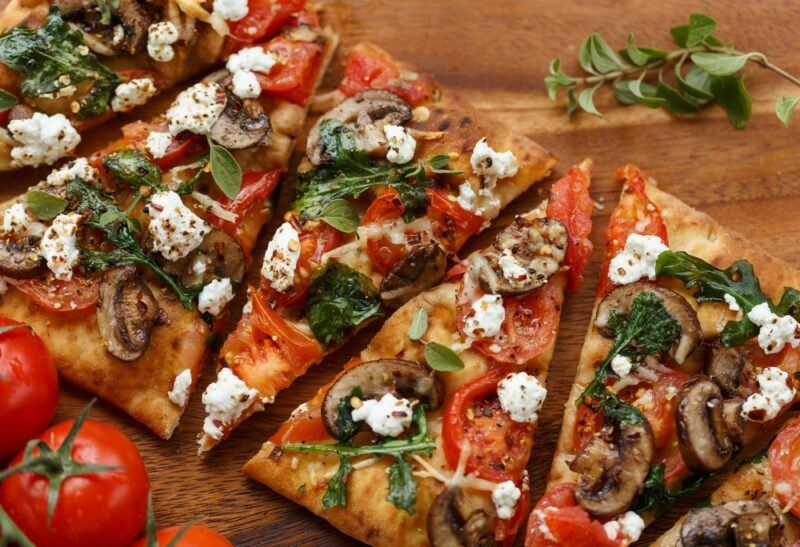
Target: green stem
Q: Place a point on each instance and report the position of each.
(10, 533)
(391, 448)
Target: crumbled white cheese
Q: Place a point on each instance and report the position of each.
(629, 525)
(467, 197)
(775, 394)
(59, 245)
(505, 497)
(733, 305)
(42, 139)
(179, 394)
(231, 10)
(225, 400)
(215, 296)
(302, 408)
(133, 93)
(513, 271)
(65, 174)
(160, 37)
(488, 163)
(401, 145)
(157, 143)
(636, 260)
(621, 365)
(484, 203)
(196, 108)
(246, 85)
(280, 258)
(775, 332)
(251, 59)
(388, 417)
(175, 229)
(15, 219)
(522, 396)
(248, 307)
(487, 318)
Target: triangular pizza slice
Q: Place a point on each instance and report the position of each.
(425, 437)
(692, 348)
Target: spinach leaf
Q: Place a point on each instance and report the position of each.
(7, 100)
(344, 418)
(336, 493)
(402, 486)
(656, 497)
(789, 303)
(340, 299)
(53, 57)
(133, 168)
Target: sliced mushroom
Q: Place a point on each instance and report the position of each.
(613, 466)
(755, 524)
(725, 367)
(735, 523)
(242, 124)
(133, 15)
(19, 258)
(735, 426)
(364, 115)
(410, 379)
(126, 312)
(709, 526)
(450, 524)
(422, 268)
(621, 299)
(702, 434)
(218, 256)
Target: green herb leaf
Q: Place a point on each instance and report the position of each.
(225, 169)
(7, 100)
(572, 103)
(133, 168)
(586, 101)
(339, 300)
(336, 493)
(43, 205)
(440, 357)
(340, 214)
(680, 34)
(656, 498)
(674, 101)
(789, 303)
(696, 85)
(640, 56)
(645, 94)
(585, 56)
(719, 64)
(730, 93)
(402, 486)
(622, 91)
(701, 26)
(784, 106)
(344, 418)
(604, 58)
(419, 325)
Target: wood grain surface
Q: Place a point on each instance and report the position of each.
(496, 54)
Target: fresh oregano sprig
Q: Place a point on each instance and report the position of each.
(438, 356)
(705, 71)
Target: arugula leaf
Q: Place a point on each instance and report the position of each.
(225, 169)
(340, 214)
(657, 498)
(133, 168)
(50, 58)
(339, 300)
(440, 357)
(7, 100)
(402, 486)
(336, 493)
(43, 205)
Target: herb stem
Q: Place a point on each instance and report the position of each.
(390, 448)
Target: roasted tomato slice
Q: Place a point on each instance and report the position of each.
(257, 186)
(635, 214)
(784, 462)
(264, 19)
(505, 530)
(382, 251)
(368, 70)
(295, 76)
(80, 293)
(499, 446)
(303, 427)
(452, 224)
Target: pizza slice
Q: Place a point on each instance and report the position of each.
(692, 348)
(450, 389)
(397, 176)
(67, 65)
(756, 505)
(124, 262)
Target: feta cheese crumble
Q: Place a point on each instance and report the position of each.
(487, 318)
(215, 296)
(179, 394)
(497, 165)
(160, 37)
(505, 497)
(65, 174)
(733, 305)
(231, 10)
(280, 258)
(245, 84)
(157, 143)
(775, 394)
(15, 219)
(225, 400)
(513, 271)
(251, 59)
(388, 417)
(59, 245)
(630, 525)
(175, 229)
(133, 93)
(401, 145)
(196, 108)
(621, 365)
(774, 332)
(42, 139)
(522, 396)
(636, 260)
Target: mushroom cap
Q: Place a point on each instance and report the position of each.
(410, 379)
(220, 255)
(19, 258)
(449, 524)
(707, 526)
(703, 437)
(134, 16)
(734, 523)
(422, 268)
(242, 124)
(725, 366)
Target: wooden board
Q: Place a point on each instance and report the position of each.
(496, 54)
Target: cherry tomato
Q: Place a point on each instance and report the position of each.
(530, 326)
(104, 508)
(314, 243)
(505, 530)
(367, 70)
(135, 134)
(557, 521)
(295, 76)
(28, 386)
(79, 293)
(196, 535)
(499, 446)
(635, 214)
(257, 186)
(571, 204)
(452, 224)
(303, 427)
(382, 251)
(784, 462)
(264, 19)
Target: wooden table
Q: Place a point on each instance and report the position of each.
(496, 54)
